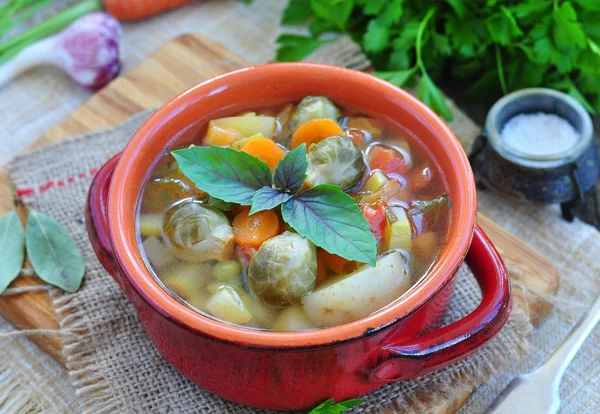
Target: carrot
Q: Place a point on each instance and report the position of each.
(220, 136)
(254, 230)
(321, 272)
(335, 263)
(138, 9)
(387, 160)
(314, 131)
(265, 150)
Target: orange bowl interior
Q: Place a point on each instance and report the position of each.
(186, 115)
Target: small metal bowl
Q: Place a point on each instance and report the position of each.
(560, 178)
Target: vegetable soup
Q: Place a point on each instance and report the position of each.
(298, 217)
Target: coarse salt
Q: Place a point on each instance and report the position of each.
(539, 134)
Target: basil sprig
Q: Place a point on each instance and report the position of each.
(324, 214)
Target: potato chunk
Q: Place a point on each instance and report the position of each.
(346, 298)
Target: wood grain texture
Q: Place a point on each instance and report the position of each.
(180, 64)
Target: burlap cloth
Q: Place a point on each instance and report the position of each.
(115, 368)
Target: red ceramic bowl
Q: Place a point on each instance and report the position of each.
(301, 369)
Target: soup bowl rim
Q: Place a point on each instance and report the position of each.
(140, 278)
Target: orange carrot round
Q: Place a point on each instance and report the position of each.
(253, 230)
(321, 273)
(315, 131)
(265, 150)
(138, 9)
(335, 263)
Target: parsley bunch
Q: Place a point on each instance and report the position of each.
(497, 45)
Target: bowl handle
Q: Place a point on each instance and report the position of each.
(437, 349)
(96, 218)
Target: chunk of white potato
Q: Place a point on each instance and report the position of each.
(249, 125)
(227, 305)
(400, 229)
(292, 319)
(150, 224)
(346, 298)
(186, 280)
(262, 315)
(157, 253)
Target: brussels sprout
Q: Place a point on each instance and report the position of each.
(314, 107)
(283, 269)
(335, 160)
(197, 233)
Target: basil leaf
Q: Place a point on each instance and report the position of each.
(12, 249)
(55, 257)
(330, 219)
(290, 172)
(230, 175)
(268, 198)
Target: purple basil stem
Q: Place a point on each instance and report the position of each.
(88, 50)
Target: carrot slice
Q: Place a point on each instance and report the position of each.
(253, 230)
(315, 131)
(335, 263)
(265, 150)
(321, 272)
(138, 9)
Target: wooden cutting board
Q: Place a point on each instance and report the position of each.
(180, 64)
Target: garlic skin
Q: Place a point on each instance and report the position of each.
(89, 50)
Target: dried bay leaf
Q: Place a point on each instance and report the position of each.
(55, 257)
(12, 249)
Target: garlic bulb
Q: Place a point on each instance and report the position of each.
(87, 50)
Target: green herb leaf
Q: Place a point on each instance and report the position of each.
(290, 172)
(230, 175)
(392, 12)
(295, 47)
(55, 257)
(297, 11)
(567, 30)
(503, 27)
(336, 12)
(373, 7)
(464, 35)
(12, 249)
(433, 97)
(330, 219)
(268, 198)
(459, 7)
(331, 407)
(397, 77)
(376, 37)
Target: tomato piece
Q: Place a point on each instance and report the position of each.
(375, 215)
(387, 160)
(420, 177)
(246, 252)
